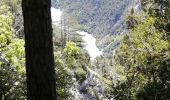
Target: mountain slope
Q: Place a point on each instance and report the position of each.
(102, 18)
(98, 16)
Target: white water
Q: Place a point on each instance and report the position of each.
(90, 44)
(56, 15)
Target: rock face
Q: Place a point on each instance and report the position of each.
(91, 88)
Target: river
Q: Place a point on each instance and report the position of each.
(89, 40)
(90, 44)
(56, 15)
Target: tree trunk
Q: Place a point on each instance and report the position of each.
(39, 50)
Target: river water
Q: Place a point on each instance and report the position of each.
(90, 44)
(56, 15)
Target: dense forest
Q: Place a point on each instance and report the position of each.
(133, 37)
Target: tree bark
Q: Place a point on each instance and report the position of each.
(39, 50)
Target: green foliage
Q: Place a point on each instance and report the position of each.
(76, 60)
(13, 4)
(69, 64)
(70, 49)
(63, 77)
(71, 52)
(161, 10)
(80, 74)
(143, 56)
(12, 71)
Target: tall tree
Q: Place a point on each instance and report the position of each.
(39, 50)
